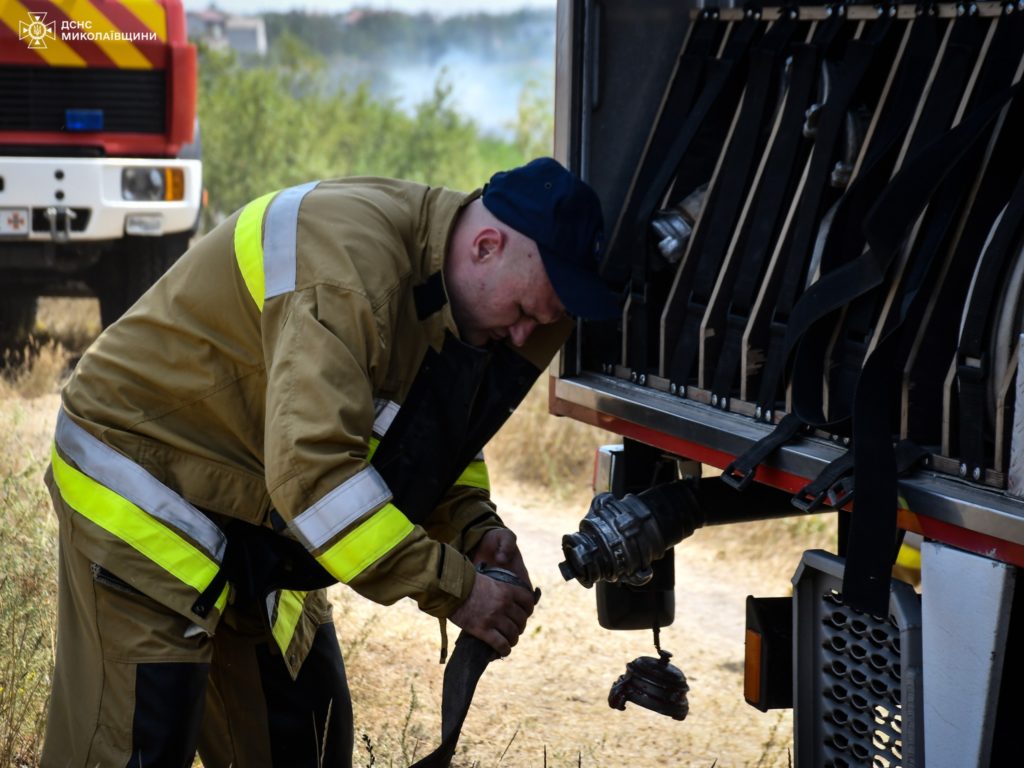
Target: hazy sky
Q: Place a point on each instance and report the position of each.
(410, 6)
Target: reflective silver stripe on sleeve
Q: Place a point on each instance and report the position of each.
(361, 493)
(127, 479)
(386, 412)
(279, 228)
(479, 456)
(272, 600)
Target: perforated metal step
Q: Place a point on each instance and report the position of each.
(859, 694)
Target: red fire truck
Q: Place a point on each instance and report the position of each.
(100, 175)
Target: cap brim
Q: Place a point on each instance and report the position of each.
(582, 292)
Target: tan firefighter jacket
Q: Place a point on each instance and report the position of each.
(253, 382)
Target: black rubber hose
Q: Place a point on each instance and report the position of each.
(676, 509)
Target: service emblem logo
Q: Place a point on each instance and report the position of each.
(37, 30)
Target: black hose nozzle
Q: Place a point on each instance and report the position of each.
(620, 538)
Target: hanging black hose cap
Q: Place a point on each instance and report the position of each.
(654, 684)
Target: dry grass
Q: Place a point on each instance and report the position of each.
(64, 328)
(73, 323)
(30, 378)
(27, 592)
(35, 370)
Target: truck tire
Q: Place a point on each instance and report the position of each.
(127, 271)
(17, 318)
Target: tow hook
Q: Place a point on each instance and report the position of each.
(60, 218)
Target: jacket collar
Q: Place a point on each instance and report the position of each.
(441, 210)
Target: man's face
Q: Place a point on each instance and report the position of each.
(504, 292)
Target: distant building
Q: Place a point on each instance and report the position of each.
(244, 34)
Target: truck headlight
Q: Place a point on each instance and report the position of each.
(141, 183)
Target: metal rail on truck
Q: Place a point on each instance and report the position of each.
(969, 516)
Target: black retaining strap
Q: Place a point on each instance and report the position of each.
(687, 83)
(705, 121)
(827, 40)
(873, 527)
(813, 496)
(844, 238)
(834, 487)
(788, 155)
(905, 198)
(866, 581)
(857, 62)
(700, 48)
(973, 374)
(696, 281)
(937, 337)
(973, 371)
(741, 471)
(862, 316)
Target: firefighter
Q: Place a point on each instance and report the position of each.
(301, 400)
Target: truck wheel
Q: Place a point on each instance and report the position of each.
(17, 318)
(127, 272)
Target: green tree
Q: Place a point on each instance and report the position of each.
(534, 130)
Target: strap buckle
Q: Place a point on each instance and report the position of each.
(807, 501)
(841, 492)
(972, 368)
(737, 478)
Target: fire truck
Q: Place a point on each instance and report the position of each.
(100, 174)
(816, 215)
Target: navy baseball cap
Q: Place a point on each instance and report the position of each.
(559, 212)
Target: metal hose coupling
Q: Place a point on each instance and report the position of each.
(620, 538)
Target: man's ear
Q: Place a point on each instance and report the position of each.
(488, 243)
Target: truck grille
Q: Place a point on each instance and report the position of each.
(856, 674)
(35, 98)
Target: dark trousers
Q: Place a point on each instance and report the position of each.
(131, 689)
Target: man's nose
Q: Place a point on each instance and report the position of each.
(521, 331)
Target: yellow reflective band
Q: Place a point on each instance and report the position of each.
(374, 443)
(370, 541)
(909, 557)
(150, 13)
(223, 599)
(135, 527)
(122, 52)
(475, 475)
(289, 610)
(249, 246)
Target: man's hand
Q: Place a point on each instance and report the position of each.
(495, 612)
(498, 547)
